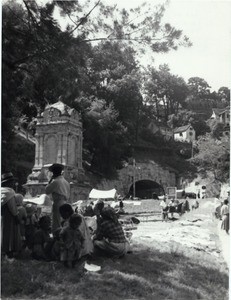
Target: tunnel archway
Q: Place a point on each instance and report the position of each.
(146, 189)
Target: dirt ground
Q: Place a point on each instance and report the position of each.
(197, 229)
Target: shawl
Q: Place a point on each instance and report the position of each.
(6, 195)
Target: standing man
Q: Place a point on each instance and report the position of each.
(59, 188)
(164, 208)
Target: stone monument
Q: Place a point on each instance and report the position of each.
(58, 140)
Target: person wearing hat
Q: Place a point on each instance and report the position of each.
(59, 188)
(11, 238)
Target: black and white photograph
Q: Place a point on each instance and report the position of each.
(115, 149)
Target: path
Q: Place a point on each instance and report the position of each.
(225, 244)
(196, 230)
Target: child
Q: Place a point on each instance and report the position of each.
(89, 212)
(65, 211)
(43, 243)
(22, 215)
(30, 225)
(72, 241)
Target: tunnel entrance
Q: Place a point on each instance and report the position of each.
(146, 189)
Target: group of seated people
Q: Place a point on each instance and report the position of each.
(76, 238)
(173, 206)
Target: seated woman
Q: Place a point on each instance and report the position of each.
(97, 214)
(43, 243)
(110, 238)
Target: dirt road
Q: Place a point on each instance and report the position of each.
(197, 229)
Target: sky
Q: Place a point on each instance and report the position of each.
(208, 25)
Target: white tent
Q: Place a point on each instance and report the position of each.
(98, 194)
(40, 200)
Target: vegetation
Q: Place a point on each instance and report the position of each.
(166, 276)
(93, 66)
(213, 157)
(155, 270)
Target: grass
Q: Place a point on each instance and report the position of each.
(150, 272)
(145, 274)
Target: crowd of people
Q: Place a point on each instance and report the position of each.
(173, 206)
(70, 233)
(67, 234)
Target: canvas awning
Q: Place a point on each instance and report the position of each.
(99, 194)
(40, 200)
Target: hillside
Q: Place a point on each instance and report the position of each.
(210, 164)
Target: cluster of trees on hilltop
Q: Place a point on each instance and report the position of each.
(92, 65)
(213, 158)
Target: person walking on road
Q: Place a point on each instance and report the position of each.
(225, 216)
(59, 188)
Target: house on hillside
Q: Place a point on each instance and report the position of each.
(221, 115)
(185, 134)
(159, 128)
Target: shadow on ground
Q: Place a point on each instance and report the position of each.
(144, 274)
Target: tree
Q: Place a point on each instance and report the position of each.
(213, 157)
(198, 86)
(141, 26)
(114, 74)
(42, 62)
(164, 91)
(105, 138)
(224, 96)
(199, 99)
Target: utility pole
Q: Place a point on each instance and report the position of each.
(134, 178)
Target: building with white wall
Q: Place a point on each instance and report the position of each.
(185, 134)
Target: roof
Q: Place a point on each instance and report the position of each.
(219, 111)
(98, 194)
(160, 124)
(182, 128)
(63, 108)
